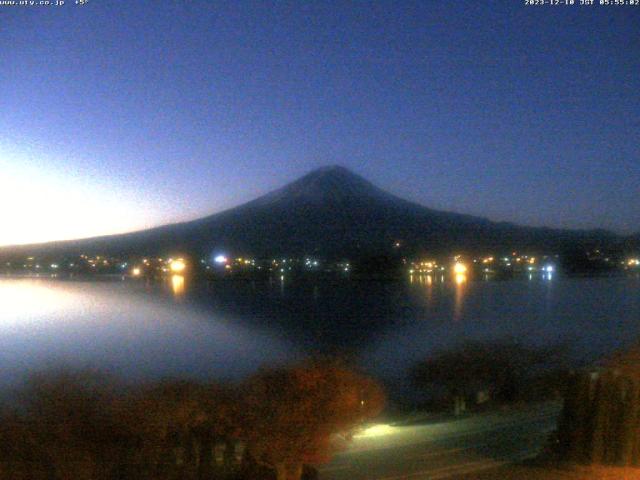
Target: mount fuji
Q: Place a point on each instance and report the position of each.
(331, 212)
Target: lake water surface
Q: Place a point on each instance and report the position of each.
(229, 329)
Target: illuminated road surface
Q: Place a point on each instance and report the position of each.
(446, 449)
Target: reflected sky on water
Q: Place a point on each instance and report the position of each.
(196, 328)
(591, 316)
(128, 328)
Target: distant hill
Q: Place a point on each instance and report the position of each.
(334, 213)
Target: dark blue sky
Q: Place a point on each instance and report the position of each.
(122, 115)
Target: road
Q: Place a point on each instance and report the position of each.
(446, 449)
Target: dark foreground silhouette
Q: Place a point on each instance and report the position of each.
(83, 425)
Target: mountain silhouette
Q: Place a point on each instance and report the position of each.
(332, 212)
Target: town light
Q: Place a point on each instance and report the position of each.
(136, 272)
(460, 268)
(548, 269)
(220, 259)
(177, 266)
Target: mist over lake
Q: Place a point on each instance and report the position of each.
(229, 329)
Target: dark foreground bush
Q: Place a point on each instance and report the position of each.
(86, 426)
(503, 371)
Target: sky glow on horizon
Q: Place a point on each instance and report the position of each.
(39, 207)
(122, 118)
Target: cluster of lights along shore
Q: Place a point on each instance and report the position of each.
(458, 267)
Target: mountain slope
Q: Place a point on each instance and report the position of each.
(334, 212)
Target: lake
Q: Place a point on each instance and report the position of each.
(226, 330)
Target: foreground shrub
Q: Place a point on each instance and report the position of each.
(291, 415)
(506, 371)
(87, 426)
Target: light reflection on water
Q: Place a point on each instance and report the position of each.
(460, 281)
(592, 316)
(186, 327)
(124, 328)
(177, 285)
(22, 303)
(429, 282)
